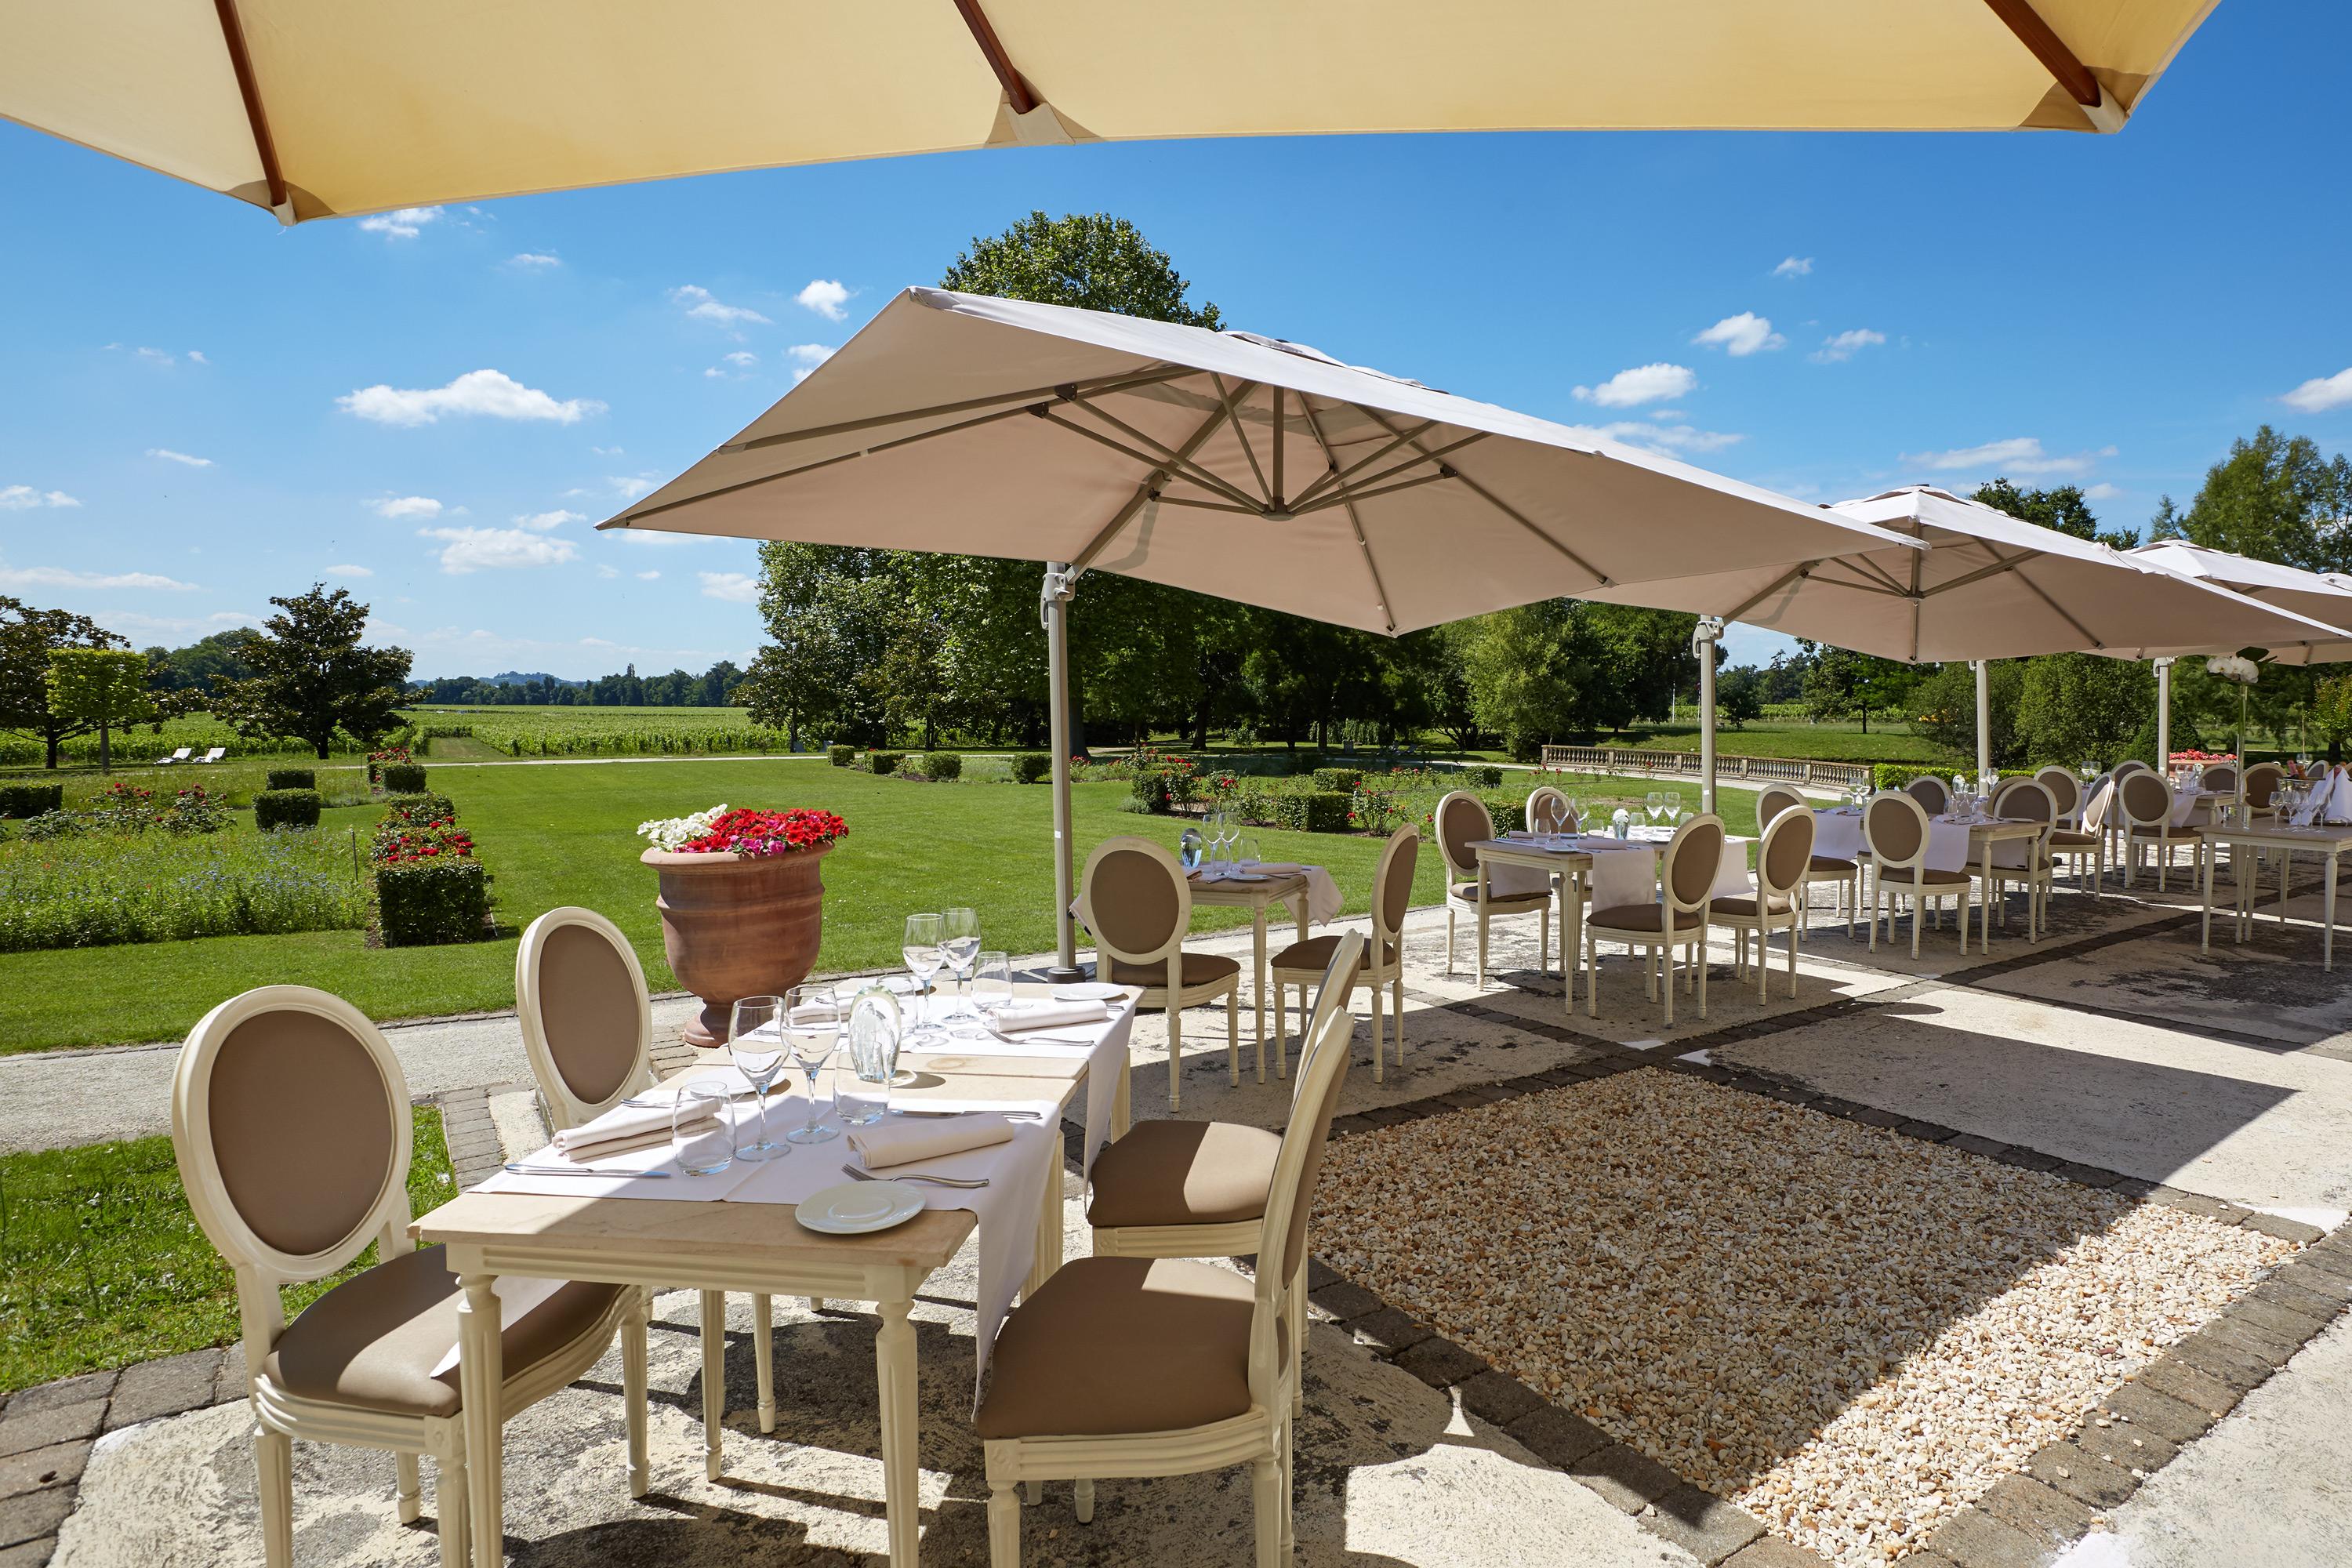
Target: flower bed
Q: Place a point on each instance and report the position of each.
(100, 889)
(745, 831)
(429, 888)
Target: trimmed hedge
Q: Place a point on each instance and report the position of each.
(1029, 767)
(423, 903)
(1895, 775)
(292, 778)
(31, 800)
(1484, 775)
(1340, 779)
(841, 756)
(884, 763)
(1314, 811)
(274, 808)
(938, 766)
(426, 806)
(404, 778)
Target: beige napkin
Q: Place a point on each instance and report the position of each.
(902, 1140)
(1052, 1015)
(632, 1124)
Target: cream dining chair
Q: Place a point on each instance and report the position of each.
(1136, 901)
(2068, 838)
(1302, 963)
(2147, 803)
(588, 1030)
(291, 1124)
(1844, 874)
(1164, 1366)
(1677, 919)
(1783, 865)
(1548, 811)
(1894, 835)
(1199, 1189)
(1461, 820)
(2030, 801)
(2263, 781)
(1931, 793)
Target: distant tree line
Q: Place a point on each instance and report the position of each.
(714, 687)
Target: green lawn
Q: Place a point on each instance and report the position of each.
(102, 1265)
(564, 835)
(1888, 740)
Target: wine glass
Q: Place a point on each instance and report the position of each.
(1572, 815)
(992, 994)
(1245, 852)
(812, 1026)
(755, 1040)
(1649, 803)
(960, 947)
(921, 949)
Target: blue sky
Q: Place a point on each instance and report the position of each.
(198, 410)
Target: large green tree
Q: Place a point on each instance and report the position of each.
(1563, 671)
(1091, 260)
(103, 688)
(1840, 683)
(2062, 507)
(313, 677)
(2275, 497)
(29, 639)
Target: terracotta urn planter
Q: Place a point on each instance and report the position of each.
(736, 926)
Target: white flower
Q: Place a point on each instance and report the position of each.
(2233, 667)
(670, 833)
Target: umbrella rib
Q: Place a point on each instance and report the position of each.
(1199, 475)
(1348, 498)
(1251, 510)
(1119, 383)
(2064, 65)
(1802, 569)
(257, 119)
(2059, 610)
(1433, 455)
(1228, 399)
(2000, 563)
(1354, 521)
(1017, 90)
(1143, 492)
(1600, 579)
(1339, 474)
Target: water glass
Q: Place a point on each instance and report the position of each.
(992, 994)
(874, 1037)
(755, 1040)
(812, 1025)
(1245, 852)
(922, 952)
(1190, 849)
(960, 946)
(699, 1132)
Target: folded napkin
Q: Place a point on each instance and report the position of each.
(1051, 1015)
(902, 1140)
(1323, 902)
(622, 1124)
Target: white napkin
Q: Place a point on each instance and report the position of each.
(1051, 1015)
(622, 1124)
(1323, 900)
(902, 1140)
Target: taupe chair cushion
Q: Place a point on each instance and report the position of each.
(1468, 893)
(373, 1341)
(1198, 968)
(1908, 875)
(1640, 917)
(1183, 1172)
(1745, 909)
(1831, 863)
(2159, 830)
(2067, 838)
(1315, 952)
(1122, 1344)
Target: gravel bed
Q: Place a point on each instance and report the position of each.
(1849, 1332)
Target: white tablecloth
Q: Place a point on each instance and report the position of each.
(1837, 834)
(2331, 800)
(1625, 870)
(2186, 798)
(1323, 902)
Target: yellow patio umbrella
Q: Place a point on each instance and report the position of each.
(322, 108)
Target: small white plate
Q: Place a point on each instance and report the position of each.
(1089, 991)
(1246, 877)
(858, 1208)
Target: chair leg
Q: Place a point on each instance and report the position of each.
(1396, 1013)
(1376, 1031)
(1234, 1038)
(404, 1469)
(273, 1463)
(1919, 910)
(449, 1511)
(632, 1386)
(1003, 1526)
(1591, 973)
(1449, 936)
(1482, 947)
(1666, 963)
(1175, 1055)
(1082, 1499)
(1283, 1452)
(1298, 1340)
(1764, 957)
(1266, 1495)
(1698, 962)
(763, 1356)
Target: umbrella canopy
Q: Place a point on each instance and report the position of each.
(315, 110)
(1236, 464)
(1988, 585)
(2325, 598)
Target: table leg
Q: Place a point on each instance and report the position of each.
(481, 1376)
(893, 1362)
(763, 1357)
(1257, 978)
(1482, 923)
(2205, 932)
(2327, 932)
(714, 1377)
(1990, 898)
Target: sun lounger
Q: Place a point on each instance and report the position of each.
(214, 755)
(179, 756)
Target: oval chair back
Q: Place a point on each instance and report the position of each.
(1548, 811)
(2261, 783)
(2003, 789)
(1774, 799)
(1135, 900)
(1931, 793)
(1895, 830)
(1786, 856)
(2219, 776)
(291, 1126)
(2131, 765)
(2145, 800)
(1400, 857)
(1693, 858)
(2030, 801)
(2065, 789)
(1462, 820)
(587, 1018)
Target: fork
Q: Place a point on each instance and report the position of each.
(856, 1175)
(520, 1168)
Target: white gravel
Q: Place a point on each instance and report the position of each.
(1849, 1332)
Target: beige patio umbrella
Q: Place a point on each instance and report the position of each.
(1988, 585)
(1240, 466)
(2323, 596)
(315, 108)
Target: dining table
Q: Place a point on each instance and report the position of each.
(1257, 891)
(2327, 840)
(666, 1236)
(1953, 841)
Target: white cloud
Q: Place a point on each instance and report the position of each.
(649, 576)
(535, 258)
(629, 488)
(2020, 455)
(1794, 266)
(825, 297)
(808, 356)
(1844, 345)
(2320, 393)
(540, 521)
(486, 392)
(406, 506)
(155, 356)
(60, 577)
(2102, 491)
(703, 306)
(196, 356)
(169, 456)
(1741, 335)
(606, 451)
(743, 359)
(736, 367)
(735, 587)
(495, 548)
(1643, 384)
(608, 572)
(1671, 439)
(348, 571)
(23, 497)
(403, 224)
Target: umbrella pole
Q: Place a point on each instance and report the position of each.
(1054, 609)
(1704, 638)
(1984, 722)
(2164, 716)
